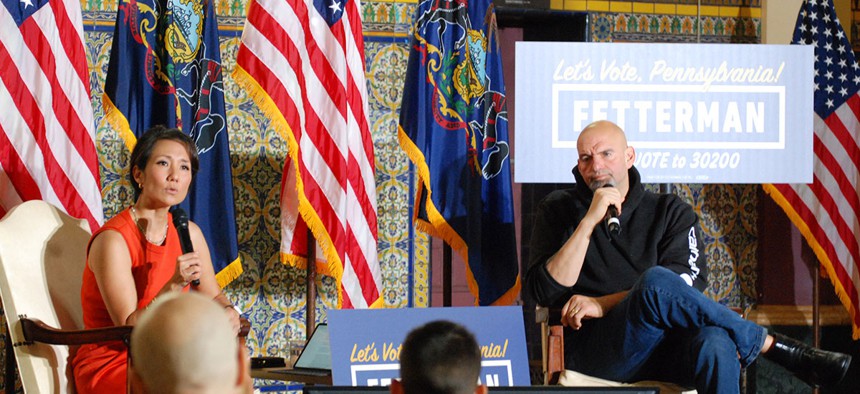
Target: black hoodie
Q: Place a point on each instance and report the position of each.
(656, 229)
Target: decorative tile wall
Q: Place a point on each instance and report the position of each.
(273, 295)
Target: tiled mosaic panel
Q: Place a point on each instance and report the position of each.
(728, 218)
(746, 3)
(736, 3)
(391, 13)
(617, 27)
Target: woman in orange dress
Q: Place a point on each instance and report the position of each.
(136, 256)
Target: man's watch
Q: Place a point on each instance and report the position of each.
(236, 308)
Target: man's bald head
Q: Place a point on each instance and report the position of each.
(605, 128)
(185, 344)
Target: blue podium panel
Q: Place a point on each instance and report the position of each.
(365, 344)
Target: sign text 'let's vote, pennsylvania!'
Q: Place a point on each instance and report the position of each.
(697, 113)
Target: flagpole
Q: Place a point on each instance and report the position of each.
(816, 305)
(311, 277)
(446, 274)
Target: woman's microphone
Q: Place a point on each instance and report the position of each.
(180, 221)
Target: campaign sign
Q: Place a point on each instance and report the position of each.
(694, 113)
(366, 343)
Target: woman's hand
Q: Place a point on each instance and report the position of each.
(187, 269)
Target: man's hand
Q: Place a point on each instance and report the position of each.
(578, 308)
(603, 198)
(234, 317)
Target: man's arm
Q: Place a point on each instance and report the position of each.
(553, 269)
(548, 232)
(682, 250)
(580, 307)
(566, 264)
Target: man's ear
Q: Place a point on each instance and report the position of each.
(135, 382)
(395, 387)
(481, 389)
(244, 380)
(630, 155)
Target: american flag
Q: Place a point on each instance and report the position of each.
(46, 120)
(826, 211)
(303, 63)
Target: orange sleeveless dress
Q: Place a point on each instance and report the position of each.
(101, 368)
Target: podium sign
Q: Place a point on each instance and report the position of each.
(366, 343)
(695, 113)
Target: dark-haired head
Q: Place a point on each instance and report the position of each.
(440, 357)
(142, 151)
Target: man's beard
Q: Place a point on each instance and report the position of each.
(597, 184)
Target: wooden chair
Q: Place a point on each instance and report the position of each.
(552, 349)
(42, 257)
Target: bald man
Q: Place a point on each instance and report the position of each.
(186, 344)
(632, 299)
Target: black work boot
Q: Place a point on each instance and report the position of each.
(814, 366)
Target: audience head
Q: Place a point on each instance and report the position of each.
(142, 151)
(185, 344)
(439, 357)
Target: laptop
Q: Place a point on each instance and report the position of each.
(315, 359)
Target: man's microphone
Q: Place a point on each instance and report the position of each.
(180, 221)
(612, 221)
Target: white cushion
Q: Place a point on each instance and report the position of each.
(577, 379)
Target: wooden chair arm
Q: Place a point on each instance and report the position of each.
(552, 343)
(244, 327)
(35, 330)
(550, 316)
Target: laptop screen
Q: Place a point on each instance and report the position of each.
(317, 352)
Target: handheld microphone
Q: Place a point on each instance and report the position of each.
(612, 221)
(180, 221)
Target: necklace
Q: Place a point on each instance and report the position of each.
(143, 230)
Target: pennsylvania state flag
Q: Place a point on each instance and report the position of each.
(454, 127)
(165, 68)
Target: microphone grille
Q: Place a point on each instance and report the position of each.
(180, 218)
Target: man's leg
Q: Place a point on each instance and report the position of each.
(704, 359)
(662, 300)
(717, 368)
(618, 345)
(607, 347)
